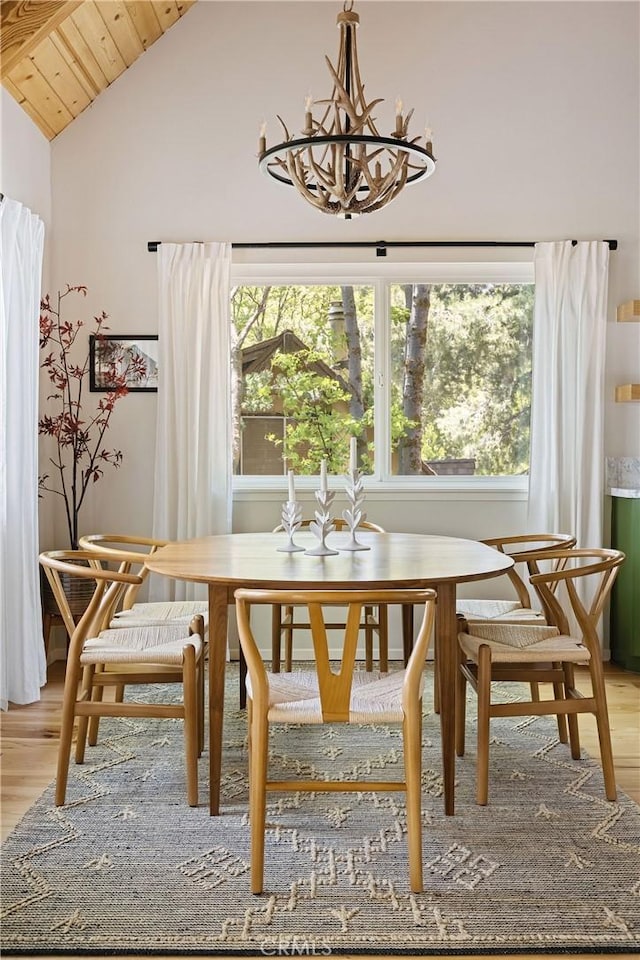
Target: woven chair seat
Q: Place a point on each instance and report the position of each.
(513, 643)
(295, 697)
(160, 644)
(511, 610)
(165, 610)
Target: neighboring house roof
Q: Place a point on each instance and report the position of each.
(258, 356)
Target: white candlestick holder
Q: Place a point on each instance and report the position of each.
(291, 520)
(322, 525)
(353, 515)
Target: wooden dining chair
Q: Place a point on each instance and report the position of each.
(129, 552)
(374, 620)
(544, 653)
(517, 609)
(99, 658)
(323, 695)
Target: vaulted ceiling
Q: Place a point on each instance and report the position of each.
(57, 56)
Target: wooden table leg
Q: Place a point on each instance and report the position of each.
(447, 638)
(218, 620)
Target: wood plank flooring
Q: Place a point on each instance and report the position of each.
(29, 741)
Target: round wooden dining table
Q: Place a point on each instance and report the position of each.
(394, 560)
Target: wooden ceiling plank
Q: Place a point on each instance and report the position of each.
(78, 69)
(123, 33)
(166, 11)
(59, 75)
(20, 98)
(183, 6)
(145, 21)
(99, 40)
(81, 54)
(40, 95)
(25, 23)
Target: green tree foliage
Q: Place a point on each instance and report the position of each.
(318, 424)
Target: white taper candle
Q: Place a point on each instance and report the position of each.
(353, 454)
(292, 489)
(323, 476)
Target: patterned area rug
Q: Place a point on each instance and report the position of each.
(127, 867)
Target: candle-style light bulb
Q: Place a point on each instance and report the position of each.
(262, 139)
(428, 136)
(308, 119)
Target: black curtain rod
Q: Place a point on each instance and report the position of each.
(380, 246)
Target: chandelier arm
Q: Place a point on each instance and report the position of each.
(316, 198)
(359, 85)
(287, 135)
(405, 125)
(343, 100)
(326, 175)
(320, 126)
(399, 168)
(320, 173)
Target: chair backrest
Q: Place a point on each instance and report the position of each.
(520, 546)
(339, 524)
(110, 584)
(335, 688)
(128, 551)
(601, 565)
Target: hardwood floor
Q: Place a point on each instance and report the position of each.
(29, 742)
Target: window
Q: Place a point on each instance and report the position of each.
(430, 369)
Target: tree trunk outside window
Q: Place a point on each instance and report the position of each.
(410, 446)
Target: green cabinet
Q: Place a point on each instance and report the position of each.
(625, 597)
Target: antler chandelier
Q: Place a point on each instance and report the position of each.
(341, 164)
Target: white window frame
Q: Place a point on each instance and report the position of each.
(382, 485)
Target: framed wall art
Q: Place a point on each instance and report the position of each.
(130, 361)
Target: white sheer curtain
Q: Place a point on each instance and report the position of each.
(193, 468)
(22, 662)
(567, 447)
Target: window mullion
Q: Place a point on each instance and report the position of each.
(382, 382)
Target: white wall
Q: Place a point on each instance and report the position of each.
(25, 176)
(25, 160)
(535, 108)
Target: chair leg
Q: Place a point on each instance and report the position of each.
(559, 694)
(571, 718)
(258, 796)
(201, 672)
(484, 705)
(368, 639)
(288, 641)
(242, 664)
(276, 631)
(97, 695)
(412, 772)
(604, 731)
(407, 631)
(436, 676)
(46, 633)
(88, 693)
(534, 687)
(383, 638)
(461, 704)
(191, 734)
(71, 682)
